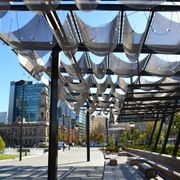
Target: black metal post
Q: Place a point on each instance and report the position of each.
(176, 144)
(53, 129)
(107, 124)
(69, 133)
(159, 132)
(168, 130)
(78, 130)
(152, 134)
(167, 134)
(87, 133)
(22, 82)
(63, 134)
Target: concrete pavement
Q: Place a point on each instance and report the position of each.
(72, 164)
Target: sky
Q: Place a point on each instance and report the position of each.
(10, 70)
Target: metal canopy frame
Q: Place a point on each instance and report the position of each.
(132, 108)
(68, 5)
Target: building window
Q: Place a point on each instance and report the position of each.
(42, 114)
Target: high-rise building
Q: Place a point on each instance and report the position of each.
(3, 117)
(26, 102)
(97, 124)
(70, 117)
(82, 125)
(68, 124)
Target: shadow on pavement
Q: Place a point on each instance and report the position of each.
(40, 172)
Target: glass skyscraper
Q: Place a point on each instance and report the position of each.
(82, 124)
(24, 101)
(64, 109)
(3, 117)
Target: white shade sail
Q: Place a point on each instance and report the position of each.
(111, 66)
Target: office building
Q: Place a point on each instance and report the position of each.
(28, 103)
(3, 117)
(25, 101)
(70, 117)
(82, 125)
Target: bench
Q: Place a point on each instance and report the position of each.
(165, 171)
(112, 162)
(135, 160)
(147, 170)
(122, 153)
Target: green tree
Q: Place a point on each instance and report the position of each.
(112, 145)
(141, 137)
(176, 125)
(135, 136)
(125, 137)
(2, 144)
(62, 135)
(101, 138)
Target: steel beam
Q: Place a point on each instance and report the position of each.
(53, 128)
(168, 130)
(152, 133)
(153, 98)
(87, 133)
(159, 132)
(108, 7)
(134, 120)
(176, 147)
(137, 86)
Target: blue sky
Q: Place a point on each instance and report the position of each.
(10, 71)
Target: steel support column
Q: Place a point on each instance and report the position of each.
(176, 144)
(107, 125)
(63, 133)
(168, 130)
(53, 128)
(159, 133)
(87, 133)
(152, 133)
(21, 125)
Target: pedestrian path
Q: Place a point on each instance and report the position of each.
(72, 165)
(123, 170)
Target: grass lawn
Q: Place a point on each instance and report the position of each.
(8, 156)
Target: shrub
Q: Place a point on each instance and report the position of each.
(169, 148)
(2, 144)
(112, 146)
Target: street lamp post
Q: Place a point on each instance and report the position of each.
(107, 125)
(63, 133)
(77, 128)
(69, 133)
(22, 82)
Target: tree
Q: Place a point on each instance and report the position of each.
(101, 138)
(112, 145)
(176, 125)
(2, 144)
(62, 135)
(136, 136)
(125, 137)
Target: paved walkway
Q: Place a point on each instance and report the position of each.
(72, 165)
(123, 170)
